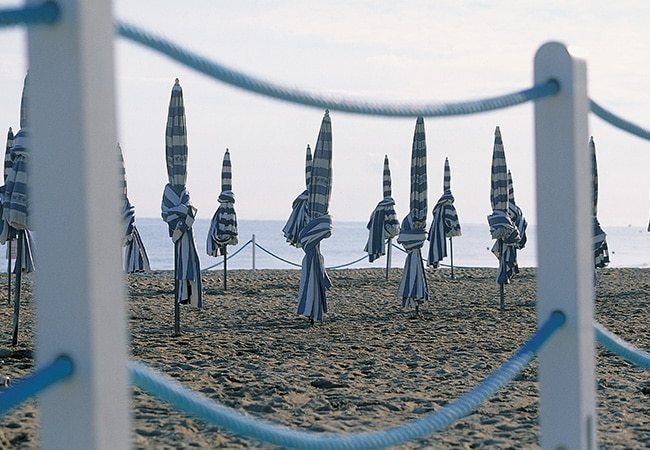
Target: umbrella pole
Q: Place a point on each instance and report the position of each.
(388, 255)
(177, 306)
(451, 257)
(225, 267)
(19, 271)
(502, 293)
(8, 271)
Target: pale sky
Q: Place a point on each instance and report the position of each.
(374, 50)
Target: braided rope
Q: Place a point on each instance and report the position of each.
(186, 400)
(47, 12)
(618, 122)
(227, 257)
(43, 378)
(276, 256)
(621, 348)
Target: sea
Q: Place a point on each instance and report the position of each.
(628, 246)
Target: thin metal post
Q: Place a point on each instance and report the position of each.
(451, 257)
(253, 252)
(79, 291)
(564, 249)
(225, 267)
(389, 252)
(177, 305)
(9, 271)
(19, 276)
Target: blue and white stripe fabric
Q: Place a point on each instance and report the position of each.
(223, 226)
(601, 252)
(413, 286)
(179, 214)
(383, 223)
(314, 282)
(6, 232)
(502, 228)
(298, 217)
(135, 255)
(445, 222)
(9, 146)
(23, 103)
(15, 205)
(176, 138)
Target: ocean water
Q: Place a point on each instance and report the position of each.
(628, 246)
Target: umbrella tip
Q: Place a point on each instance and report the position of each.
(177, 81)
(10, 130)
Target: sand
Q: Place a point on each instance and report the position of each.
(369, 365)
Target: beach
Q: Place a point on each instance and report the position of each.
(369, 365)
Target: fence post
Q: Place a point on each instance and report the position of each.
(565, 274)
(76, 214)
(253, 253)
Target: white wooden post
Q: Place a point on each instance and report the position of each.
(565, 257)
(74, 203)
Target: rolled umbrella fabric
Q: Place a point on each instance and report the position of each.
(135, 255)
(445, 222)
(502, 228)
(413, 286)
(298, 217)
(383, 223)
(6, 232)
(601, 251)
(176, 208)
(223, 226)
(314, 281)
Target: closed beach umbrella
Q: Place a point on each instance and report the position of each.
(444, 225)
(135, 255)
(383, 224)
(413, 287)
(314, 282)
(298, 217)
(518, 219)
(6, 234)
(502, 229)
(177, 210)
(223, 227)
(601, 252)
(15, 212)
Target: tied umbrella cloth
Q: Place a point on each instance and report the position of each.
(504, 231)
(383, 224)
(413, 287)
(601, 251)
(299, 217)
(179, 214)
(445, 224)
(223, 226)
(314, 282)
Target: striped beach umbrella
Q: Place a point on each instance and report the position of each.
(15, 212)
(298, 217)
(601, 252)
(135, 255)
(383, 224)
(223, 226)
(177, 210)
(6, 232)
(314, 282)
(413, 286)
(502, 229)
(444, 225)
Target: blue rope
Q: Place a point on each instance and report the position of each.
(618, 122)
(44, 377)
(47, 12)
(276, 256)
(340, 266)
(186, 400)
(227, 257)
(254, 84)
(620, 348)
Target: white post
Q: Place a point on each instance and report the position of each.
(565, 257)
(74, 202)
(253, 253)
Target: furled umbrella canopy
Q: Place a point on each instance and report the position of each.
(6, 232)
(223, 227)
(135, 255)
(177, 210)
(383, 223)
(445, 222)
(413, 286)
(298, 217)
(502, 229)
(601, 252)
(314, 281)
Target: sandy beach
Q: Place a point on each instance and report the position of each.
(369, 365)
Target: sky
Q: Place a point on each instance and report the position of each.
(380, 50)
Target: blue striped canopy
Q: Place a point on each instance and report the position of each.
(135, 255)
(176, 208)
(502, 229)
(10, 144)
(223, 226)
(413, 286)
(601, 252)
(298, 217)
(23, 104)
(383, 223)
(314, 282)
(445, 221)
(6, 232)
